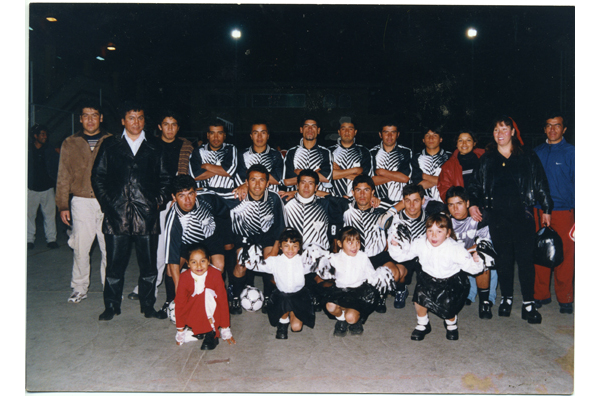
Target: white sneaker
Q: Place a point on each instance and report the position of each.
(76, 297)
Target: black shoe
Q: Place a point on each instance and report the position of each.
(380, 307)
(533, 316)
(316, 304)
(266, 304)
(109, 313)
(30, 245)
(52, 245)
(539, 303)
(485, 310)
(356, 328)
(566, 308)
(210, 341)
(341, 328)
(236, 306)
(451, 335)
(505, 307)
(418, 335)
(133, 296)
(282, 331)
(468, 302)
(150, 312)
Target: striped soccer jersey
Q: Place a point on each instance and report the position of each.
(313, 217)
(431, 165)
(261, 220)
(374, 239)
(299, 157)
(397, 160)
(415, 226)
(195, 226)
(225, 157)
(270, 158)
(352, 157)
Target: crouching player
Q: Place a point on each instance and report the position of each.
(201, 302)
(291, 302)
(467, 230)
(442, 286)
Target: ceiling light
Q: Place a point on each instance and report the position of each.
(51, 19)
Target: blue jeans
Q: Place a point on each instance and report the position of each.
(493, 285)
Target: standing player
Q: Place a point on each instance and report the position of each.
(349, 159)
(427, 166)
(308, 155)
(391, 164)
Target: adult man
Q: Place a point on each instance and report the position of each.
(258, 220)
(391, 163)
(42, 167)
(77, 155)
(349, 159)
(308, 155)
(427, 165)
(191, 220)
(558, 159)
(259, 153)
(177, 151)
(131, 181)
(413, 217)
(361, 215)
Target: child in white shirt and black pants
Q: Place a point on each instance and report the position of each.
(442, 285)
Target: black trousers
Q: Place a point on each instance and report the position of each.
(118, 250)
(513, 235)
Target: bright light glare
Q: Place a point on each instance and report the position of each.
(236, 34)
(100, 58)
(471, 33)
(51, 19)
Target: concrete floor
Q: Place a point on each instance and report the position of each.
(69, 350)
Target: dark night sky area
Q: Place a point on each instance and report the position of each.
(414, 58)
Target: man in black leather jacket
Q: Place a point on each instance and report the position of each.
(131, 181)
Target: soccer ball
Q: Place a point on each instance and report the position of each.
(251, 299)
(171, 311)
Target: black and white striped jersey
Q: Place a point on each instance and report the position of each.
(270, 158)
(186, 228)
(431, 165)
(258, 222)
(226, 157)
(397, 160)
(314, 217)
(416, 226)
(374, 239)
(352, 157)
(299, 157)
(466, 230)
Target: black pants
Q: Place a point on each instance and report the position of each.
(118, 250)
(513, 236)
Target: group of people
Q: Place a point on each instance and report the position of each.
(335, 229)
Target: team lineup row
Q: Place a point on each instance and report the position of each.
(251, 196)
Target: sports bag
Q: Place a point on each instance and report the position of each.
(548, 250)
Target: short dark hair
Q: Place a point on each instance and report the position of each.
(309, 117)
(457, 191)
(556, 115)
(442, 220)
(292, 235)
(215, 122)
(362, 178)
(258, 168)
(260, 122)
(130, 105)
(412, 188)
(348, 120)
(460, 132)
(90, 104)
(36, 129)
(389, 122)
(168, 113)
(309, 173)
(182, 183)
(197, 247)
(348, 232)
(437, 129)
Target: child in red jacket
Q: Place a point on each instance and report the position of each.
(201, 302)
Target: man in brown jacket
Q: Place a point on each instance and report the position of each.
(77, 156)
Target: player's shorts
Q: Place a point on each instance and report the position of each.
(380, 259)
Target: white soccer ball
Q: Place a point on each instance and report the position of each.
(251, 299)
(171, 311)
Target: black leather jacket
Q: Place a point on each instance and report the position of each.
(531, 177)
(130, 188)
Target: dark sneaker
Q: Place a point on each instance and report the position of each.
(400, 299)
(266, 304)
(236, 306)
(210, 341)
(380, 307)
(485, 310)
(133, 296)
(341, 328)
(539, 303)
(566, 308)
(282, 331)
(356, 328)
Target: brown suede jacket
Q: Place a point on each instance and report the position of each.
(75, 169)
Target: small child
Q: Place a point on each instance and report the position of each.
(291, 302)
(352, 299)
(201, 302)
(441, 285)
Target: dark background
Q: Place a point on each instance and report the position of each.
(415, 61)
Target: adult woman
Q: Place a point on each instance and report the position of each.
(457, 171)
(508, 182)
